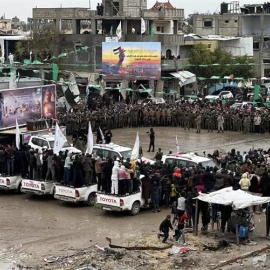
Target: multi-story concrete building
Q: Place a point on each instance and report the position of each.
(87, 28)
(248, 21)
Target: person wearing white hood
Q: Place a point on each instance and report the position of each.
(39, 157)
(115, 170)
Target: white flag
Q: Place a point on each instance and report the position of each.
(143, 29)
(119, 31)
(177, 145)
(102, 135)
(136, 148)
(59, 140)
(18, 140)
(90, 140)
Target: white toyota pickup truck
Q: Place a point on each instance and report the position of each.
(76, 195)
(13, 183)
(34, 187)
(131, 203)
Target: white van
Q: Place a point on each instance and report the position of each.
(115, 151)
(187, 160)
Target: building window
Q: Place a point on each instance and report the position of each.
(160, 29)
(207, 23)
(168, 54)
(235, 21)
(226, 21)
(256, 45)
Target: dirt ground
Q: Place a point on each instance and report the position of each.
(33, 229)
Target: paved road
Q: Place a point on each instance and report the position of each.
(42, 226)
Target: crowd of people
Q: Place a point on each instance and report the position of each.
(209, 116)
(248, 171)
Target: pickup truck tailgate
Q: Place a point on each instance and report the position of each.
(31, 185)
(108, 200)
(65, 191)
(3, 181)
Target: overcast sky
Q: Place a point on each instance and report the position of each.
(23, 8)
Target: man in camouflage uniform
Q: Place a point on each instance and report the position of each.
(186, 121)
(210, 122)
(246, 123)
(198, 121)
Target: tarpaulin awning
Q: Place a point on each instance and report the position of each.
(185, 77)
(238, 199)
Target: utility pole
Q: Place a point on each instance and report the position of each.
(261, 64)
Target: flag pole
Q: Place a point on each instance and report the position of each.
(141, 19)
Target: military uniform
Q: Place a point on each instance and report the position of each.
(198, 121)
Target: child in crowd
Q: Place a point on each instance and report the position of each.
(164, 228)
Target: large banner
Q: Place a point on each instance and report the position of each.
(131, 60)
(26, 103)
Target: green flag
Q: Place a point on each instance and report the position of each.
(55, 71)
(152, 30)
(111, 31)
(256, 92)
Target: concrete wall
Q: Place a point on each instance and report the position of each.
(168, 27)
(5, 24)
(251, 25)
(239, 47)
(174, 50)
(227, 24)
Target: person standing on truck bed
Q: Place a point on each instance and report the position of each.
(39, 157)
(122, 176)
(67, 166)
(115, 170)
(2, 161)
(50, 165)
(88, 170)
(32, 164)
(98, 170)
(107, 171)
(10, 154)
(78, 180)
(152, 140)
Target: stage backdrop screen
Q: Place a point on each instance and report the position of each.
(26, 103)
(131, 60)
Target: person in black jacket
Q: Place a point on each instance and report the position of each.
(107, 172)
(166, 189)
(208, 180)
(152, 140)
(164, 228)
(78, 173)
(108, 136)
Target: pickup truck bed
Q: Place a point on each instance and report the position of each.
(76, 195)
(130, 203)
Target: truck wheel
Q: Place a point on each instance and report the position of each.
(19, 190)
(91, 200)
(135, 210)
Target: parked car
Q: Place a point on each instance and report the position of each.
(47, 141)
(219, 95)
(152, 100)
